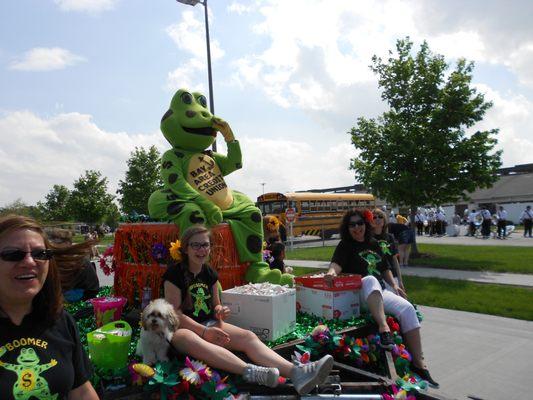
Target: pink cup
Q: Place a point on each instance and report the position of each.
(107, 309)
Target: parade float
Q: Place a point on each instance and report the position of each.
(290, 320)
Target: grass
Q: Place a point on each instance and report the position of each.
(500, 300)
(512, 259)
(477, 258)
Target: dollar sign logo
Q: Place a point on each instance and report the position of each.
(26, 379)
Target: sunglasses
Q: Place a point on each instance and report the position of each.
(19, 255)
(198, 246)
(378, 216)
(354, 224)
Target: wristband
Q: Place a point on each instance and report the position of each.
(203, 333)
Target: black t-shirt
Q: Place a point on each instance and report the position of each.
(361, 258)
(395, 229)
(196, 291)
(39, 360)
(87, 279)
(277, 264)
(388, 248)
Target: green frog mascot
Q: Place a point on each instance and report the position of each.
(194, 188)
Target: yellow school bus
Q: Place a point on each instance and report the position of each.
(317, 214)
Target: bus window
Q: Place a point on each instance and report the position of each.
(272, 207)
(305, 207)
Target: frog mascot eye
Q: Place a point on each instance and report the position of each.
(186, 98)
(202, 100)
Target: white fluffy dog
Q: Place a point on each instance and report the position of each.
(159, 322)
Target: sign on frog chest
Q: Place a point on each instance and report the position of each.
(205, 177)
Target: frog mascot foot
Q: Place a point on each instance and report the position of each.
(287, 279)
(260, 271)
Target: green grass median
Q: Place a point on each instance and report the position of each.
(501, 300)
(512, 259)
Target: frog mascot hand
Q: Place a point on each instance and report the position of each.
(194, 188)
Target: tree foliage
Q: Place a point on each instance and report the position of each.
(89, 200)
(419, 152)
(56, 205)
(18, 207)
(142, 179)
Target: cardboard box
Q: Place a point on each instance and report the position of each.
(328, 304)
(339, 301)
(340, 282)
(268, 316)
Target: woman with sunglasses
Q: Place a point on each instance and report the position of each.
(40, 353)
(388, 246)
(359, 253)
(192, 288)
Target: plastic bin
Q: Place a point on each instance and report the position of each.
(107, 309)
(109, 345)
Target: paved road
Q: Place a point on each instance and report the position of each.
(478, 355)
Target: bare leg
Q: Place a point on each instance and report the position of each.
(401, 253)
(406, 254)
(188, 342)
(375, 306)
(247, 342)
(413, 343)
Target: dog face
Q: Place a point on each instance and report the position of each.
(159, 316)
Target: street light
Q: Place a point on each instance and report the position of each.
(209, 75)
(263, 183)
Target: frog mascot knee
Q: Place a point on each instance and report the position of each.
(195, 191)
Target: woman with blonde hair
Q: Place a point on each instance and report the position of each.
(386, 241)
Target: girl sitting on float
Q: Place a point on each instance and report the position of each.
(191, 286)
(359, 253)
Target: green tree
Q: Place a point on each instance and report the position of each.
(89, 200)
(18, 207)
(418, 152)
(112, 217)
(142, 179)
(56, 204)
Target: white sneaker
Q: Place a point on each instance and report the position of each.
(262, 375)
(306, 376)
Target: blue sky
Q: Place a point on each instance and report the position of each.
(85, 81)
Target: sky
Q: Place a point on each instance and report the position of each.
(84, 82)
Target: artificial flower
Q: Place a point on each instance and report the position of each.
(195, 372)
(175, 250)
(107, 261)
(159, 252)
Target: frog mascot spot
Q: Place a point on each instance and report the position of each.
(195, 191)
(30, 384)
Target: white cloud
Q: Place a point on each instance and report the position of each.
(521, 63)
(187, 76)
(240, 8)
(90, 6)
(513, 115)
(189, 36)
(285, 165)
(57, 150)
(46, 59)
(319, 52)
